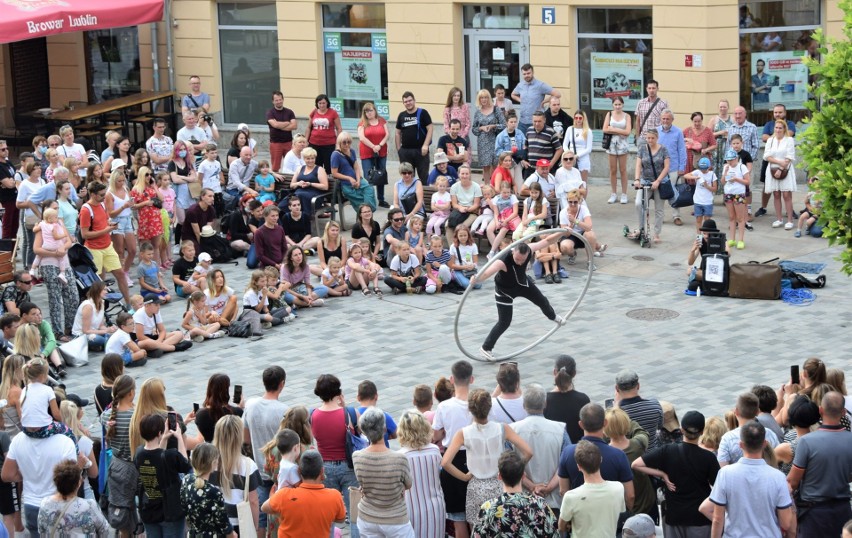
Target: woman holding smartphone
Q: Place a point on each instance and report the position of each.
(216, 406)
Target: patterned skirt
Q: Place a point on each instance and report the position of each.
(479, 491)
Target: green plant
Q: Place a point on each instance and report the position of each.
(827, 146)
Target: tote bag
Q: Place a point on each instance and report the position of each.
(244, 515)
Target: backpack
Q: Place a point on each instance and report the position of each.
(219, 248)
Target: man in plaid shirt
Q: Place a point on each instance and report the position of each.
(656, 111)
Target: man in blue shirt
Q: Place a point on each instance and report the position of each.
(533, 95)
(672, 138)
(196, 99)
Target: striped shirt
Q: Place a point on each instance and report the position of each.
(748, 131)
(120, 442)
(384, 477)
(649, 415)
(443, 259)
(542, 144)
(425, 499)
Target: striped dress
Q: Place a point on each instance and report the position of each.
(425, 499)
(384, 477)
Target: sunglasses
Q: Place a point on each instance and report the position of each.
(398, 219)
(573, 203)
(407, 173)
(26, 281)
(578, 117)
(568, 159)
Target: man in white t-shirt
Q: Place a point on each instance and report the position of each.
(194, 136)
(31, 461)
(160, 147)
(151, 334)
(262, 417)
(569, 178)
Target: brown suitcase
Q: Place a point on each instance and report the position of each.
(755, 281)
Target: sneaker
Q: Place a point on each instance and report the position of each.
(417, 289)
(731, 242)
(490, 254)
(198, 338)
(266, 324)
(571, 260)
(562, 272)
(183, 345)
(612, 198)
(486, 354)
(176, 250)
(310, 252)
(740, 245)
(384, 204)
(788, 226)
(749, 227)
(559, 320)
(548, 279)
(318, 303)
(798, 233)
(290, 317)
(395, 291)
(690, 293)
(777, 224)
(795, 215)
(129, 280)
(592, 266)
(218, 334)
(623, 198)
(557, 279)
(760, 212)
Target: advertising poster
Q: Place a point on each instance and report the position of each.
(779, 78)
(616, 74)
(358, 73)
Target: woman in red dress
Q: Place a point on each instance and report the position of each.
(146, 197)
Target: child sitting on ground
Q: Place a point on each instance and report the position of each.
(414, 236)
(150, 280)
(199, 274)
(196, 319)
(360, 273)
(36, 399)
(368, 253)
(813, 207)
(53, 237)
(438, 273)
(275, 289)
(121, 343)
(441, 204)
(406, 274)
(255, 300)
(334, 278)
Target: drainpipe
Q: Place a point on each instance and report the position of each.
(155, 56)
(169, 44)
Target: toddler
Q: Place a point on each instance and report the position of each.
(415, 237)
(196, 319)
(136, 303)
(275, 289)
(199, 274)
(440, 206)
(334, 279)
(486, 215)
(53, 236)
(36, 399)
(813, 207)
(423, 401)
(265, 183)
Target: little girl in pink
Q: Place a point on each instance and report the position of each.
(441, 201)
(53, 236)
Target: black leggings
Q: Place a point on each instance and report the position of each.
(394, 283)
(504, 299)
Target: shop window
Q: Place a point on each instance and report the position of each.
(248, 45)
(113, 63)
(491, 17)
(355, 50)
(775, 38)
(615, 59)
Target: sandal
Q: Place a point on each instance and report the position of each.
(378, 292)
(633, 235)
(366, 292)
(346, 292)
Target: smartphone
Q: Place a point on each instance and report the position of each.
(238, 393)
(172, 420)
(195, 407)
(794, 374)
(609, 403)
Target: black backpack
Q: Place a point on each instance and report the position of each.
(219, 248)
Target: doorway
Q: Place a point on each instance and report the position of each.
(495, 57)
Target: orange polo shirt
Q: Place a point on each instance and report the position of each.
(307, 510)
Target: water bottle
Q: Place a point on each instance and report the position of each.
(698, 292)
(408, 289)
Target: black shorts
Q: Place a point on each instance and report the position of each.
(578, 243)
(10, 499)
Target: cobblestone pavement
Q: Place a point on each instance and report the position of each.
(700, 359)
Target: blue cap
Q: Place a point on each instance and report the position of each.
(703, 163)
(731, 155)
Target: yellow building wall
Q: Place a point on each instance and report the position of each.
(196, 47)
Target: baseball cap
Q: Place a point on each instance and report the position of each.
(626, 379)
(152, 298)
(639, 526)
(693, 422)
(542, 162)
(731, 155)
(117, 163)
(204, 257)
(703, 163)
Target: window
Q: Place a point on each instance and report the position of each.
(615, 59)
(355, 49)
(248, 45)
(775, 37)
(113, 63)
(495, 16)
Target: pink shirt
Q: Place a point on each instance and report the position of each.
(462, 114)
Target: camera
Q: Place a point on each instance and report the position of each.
(208, 118)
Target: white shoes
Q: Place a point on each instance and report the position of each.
(612, 198)
(777, 224)
(559, 320)
(623, 198)
(487, 355)
(788, 226)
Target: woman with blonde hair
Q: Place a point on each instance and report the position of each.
(235, 469)
(27, 341)
(425, 499)
(71, 416)
(629, 437)
(152, 401)
(330, 245)
(148, 202)
(488, 120)
(579, 139)
(11, 387)
(119, 207)
(780, 153)
(714, 429)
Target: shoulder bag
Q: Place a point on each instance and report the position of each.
(606, 141)
(354, 440)
(377, 176)
(648, 115)
(244, 515)
(666, 190)
(76, 352)
(409, 199)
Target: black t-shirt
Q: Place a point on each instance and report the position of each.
(693, 471)
(296, 229)
(358, 232)
(559, 122)
(745, 157)
(103, 397)
(205, 424)
(234, 152)
(7, 171)
(515, 276)
(565, 407)
(183, 269)
(158, 469)
(413, 134)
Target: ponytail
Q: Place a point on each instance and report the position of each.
(565, 372)
(564, 380)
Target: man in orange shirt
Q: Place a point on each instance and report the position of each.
(310, 508)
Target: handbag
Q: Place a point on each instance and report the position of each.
(683, 194)
(755, 281)
(246, 519)
(456, 217)
(76, 352)
(606, 141)
(239, 329)
(355, 495)
(104, 459)
(774, 168)
(195, 189)
(408, 200)
(354, 440)
(377, 176)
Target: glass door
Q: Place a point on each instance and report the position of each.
(496, 58)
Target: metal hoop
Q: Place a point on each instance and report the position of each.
(545, 336)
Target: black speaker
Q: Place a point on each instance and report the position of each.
(716, 243)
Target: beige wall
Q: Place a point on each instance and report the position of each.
(196, 47)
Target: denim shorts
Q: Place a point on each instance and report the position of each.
(125, 225)
(702, 210)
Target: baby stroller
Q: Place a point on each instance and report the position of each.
(86, 274)
(643, 235)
